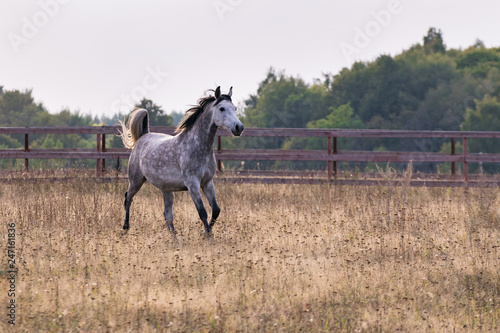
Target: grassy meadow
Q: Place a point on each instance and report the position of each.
(289, 258)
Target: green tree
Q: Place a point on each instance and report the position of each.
(19, 109)
(341, 117)
(177, 117)
(67, 118)
(478, 62)
(276, 102)
(433, 42)
(281, 101)
(7, 141)
(486, 117)
(157, 116)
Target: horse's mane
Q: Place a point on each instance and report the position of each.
(194, 113)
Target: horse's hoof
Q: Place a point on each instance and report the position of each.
(207, 234)
(124, 232)
(173, 234)
(171, 229)
(175, 241)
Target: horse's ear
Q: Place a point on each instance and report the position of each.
(230, 93)
(217, 92)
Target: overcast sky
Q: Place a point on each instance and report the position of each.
(99, 57)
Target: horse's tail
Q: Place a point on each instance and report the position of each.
(137, 126)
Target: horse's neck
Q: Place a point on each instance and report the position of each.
(204, 130)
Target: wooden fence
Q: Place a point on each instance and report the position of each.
(331, 155)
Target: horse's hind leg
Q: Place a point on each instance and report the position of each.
(168, 200)
(133, 187)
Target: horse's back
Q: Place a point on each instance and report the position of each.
(156, 156)
(150, 142)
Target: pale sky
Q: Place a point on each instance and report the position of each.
(100, 57)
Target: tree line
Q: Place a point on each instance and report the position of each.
(426, 87)
(18, 109)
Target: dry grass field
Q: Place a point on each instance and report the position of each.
(283, 258)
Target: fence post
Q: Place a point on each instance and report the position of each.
(329, 164)
(98, 161)
(453, 153)
(26, 149)
(335, 153)
(466, 165)
(103, 149)
(219, 150)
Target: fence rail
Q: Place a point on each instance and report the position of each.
(331, 155)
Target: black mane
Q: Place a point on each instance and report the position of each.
(194, 113)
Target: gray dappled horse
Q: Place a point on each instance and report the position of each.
(184, 162)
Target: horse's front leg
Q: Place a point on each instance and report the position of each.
(194, 191)
(209, 191)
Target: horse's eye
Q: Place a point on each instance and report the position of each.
(222, 109)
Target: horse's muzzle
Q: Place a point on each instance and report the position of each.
(237, 130)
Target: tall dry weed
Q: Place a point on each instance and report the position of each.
(283, 258)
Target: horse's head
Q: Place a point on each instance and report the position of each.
(225, 112)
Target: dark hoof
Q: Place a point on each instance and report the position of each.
(170, 228)
(175, 241)
(173, 234)
(207, 234)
